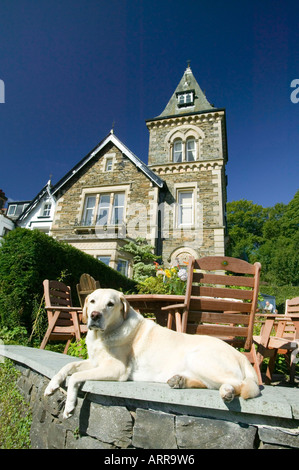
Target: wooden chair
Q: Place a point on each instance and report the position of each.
(220, 300)
(86, 286)
(279, 335)
(64, 319)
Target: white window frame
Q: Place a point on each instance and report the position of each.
(86, 209)
(185, 99)
(184, 151)
(180, 188)
(96, 193)
(46, 212)
(187, 151)
(10, 212)
(187, 205)
(176, 152)
(109, 164)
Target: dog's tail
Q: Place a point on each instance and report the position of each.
(249, 386)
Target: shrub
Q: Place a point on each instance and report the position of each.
(28, 257)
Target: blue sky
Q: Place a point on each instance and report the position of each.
(73, 67)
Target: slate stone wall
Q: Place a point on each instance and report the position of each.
(106, 422)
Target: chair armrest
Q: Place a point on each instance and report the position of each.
(174, 306)
(63, 309)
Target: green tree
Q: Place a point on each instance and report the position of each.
(143, 258)
(268, 235)
(245, 222)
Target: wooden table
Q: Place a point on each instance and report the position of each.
(153, 303)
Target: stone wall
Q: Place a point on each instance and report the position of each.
(111, 415)
(210, 126)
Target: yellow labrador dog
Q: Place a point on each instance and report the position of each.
(123, 345)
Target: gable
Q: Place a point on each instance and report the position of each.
(93, 156)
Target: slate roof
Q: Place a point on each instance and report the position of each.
(130, 155)
(201, 104)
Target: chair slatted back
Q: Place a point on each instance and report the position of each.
(86, 286)
(221, 298)
(292, 306)
(288, 330)
(58, 294)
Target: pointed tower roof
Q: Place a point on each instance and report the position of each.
(187, 98)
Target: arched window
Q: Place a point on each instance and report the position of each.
(177, 151)
(184, 143)
(190, 150)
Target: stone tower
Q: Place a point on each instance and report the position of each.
(188, 150)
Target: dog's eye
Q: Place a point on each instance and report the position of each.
(110, 304)
(92, 301)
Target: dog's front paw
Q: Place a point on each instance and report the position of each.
(177, 381)
(52, 387)
(68, 410)
(227, 392)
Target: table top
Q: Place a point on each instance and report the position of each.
(153, 297)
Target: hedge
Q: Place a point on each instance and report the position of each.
(27, 257)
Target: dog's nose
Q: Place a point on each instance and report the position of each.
(95, 315)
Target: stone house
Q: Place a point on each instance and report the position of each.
(176, 201)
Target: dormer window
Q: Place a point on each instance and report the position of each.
(185, 98)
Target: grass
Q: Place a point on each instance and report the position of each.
(15, 413)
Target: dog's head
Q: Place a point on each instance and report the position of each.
(105, 309)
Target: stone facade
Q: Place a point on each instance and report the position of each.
(205, 128)
(93, 180)
(176, 203)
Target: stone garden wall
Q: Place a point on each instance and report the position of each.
(111, 415)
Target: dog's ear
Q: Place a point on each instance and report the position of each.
(126, 305)
(84, 311)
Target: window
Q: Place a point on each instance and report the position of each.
(104, 209)
(104, 259)
(109, 164)
(185, 98)
(46, 210)
(177, 151)
(190, 150)
(11, 210)
(185, 208)
(89, 210)
(15, 210)
(122, 266)
(118, 209)
(184, 151)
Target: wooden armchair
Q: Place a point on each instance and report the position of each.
(86, 286)
(279, 335)
(64, 319)
(220, 300)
